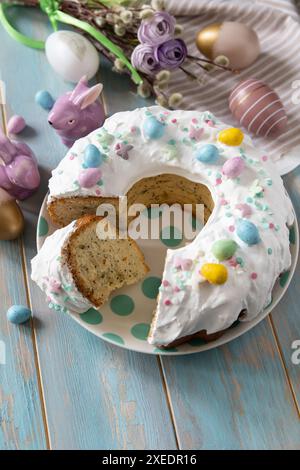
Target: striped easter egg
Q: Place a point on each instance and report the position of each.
(258, 108)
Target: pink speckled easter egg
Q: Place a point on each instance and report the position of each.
(89, 177)
(258, 108)
(233, 167)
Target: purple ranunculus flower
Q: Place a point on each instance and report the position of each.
(143, 59)
(171, 54)
(158, 29)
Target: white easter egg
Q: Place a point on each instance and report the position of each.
(71, 55)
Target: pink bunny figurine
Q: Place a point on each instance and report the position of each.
(77, 113)
(19, 174)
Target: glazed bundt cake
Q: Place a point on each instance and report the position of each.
(157, 156)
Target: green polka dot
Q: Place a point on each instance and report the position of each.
(270, 251)
(292, 235)
(196, 224)
(150, 287)
(43, 227)
(171, 236)
(140, 331)
(164, 351)
(267, 306)
(122, 305)
(283, 278)
(92, 316)
(152, 212)
(114, 338)
(196, 342)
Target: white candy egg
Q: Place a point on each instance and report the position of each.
(71, 55)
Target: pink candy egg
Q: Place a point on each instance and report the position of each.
(233, 167)
(16, 124)
(89, 177)
(258, 108)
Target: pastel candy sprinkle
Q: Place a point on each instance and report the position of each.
(89, 177)
(232, 137)
(153, 129)
(208, 153)
(168, 302)
(92, 156)
(253, 276)
(44, 99)
(18, 314)
(186, 264)
(214, 273)
(224, 249)
(16, 124)
(247, 232)
(233, 167)
(245, 209)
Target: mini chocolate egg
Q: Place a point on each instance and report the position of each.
(92, 156)
(72, 55)
(232, 137)
(236, 41)
(214, 273)
(44, 99)
(224, 249)
(233, 167)
(11, 217)
(153, 129)
(247, 232)
(258, 108)
(89, 177)
(16, 124)
(208, 153)
(18, 314)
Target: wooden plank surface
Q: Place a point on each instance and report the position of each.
(97, 395)
(21, 407)
(243, 395)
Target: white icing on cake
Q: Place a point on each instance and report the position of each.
(187, 303)
(50, 271)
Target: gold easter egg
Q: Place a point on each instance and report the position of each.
(234, 41)
(206, 39)
(232, 136)
(214, 273)
(11, 217)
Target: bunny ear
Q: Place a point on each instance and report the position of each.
(80, 87)
(89, 96)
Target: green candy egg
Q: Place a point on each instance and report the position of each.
(224, 249)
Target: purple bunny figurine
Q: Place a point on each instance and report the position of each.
(77, 113)
(19, 175)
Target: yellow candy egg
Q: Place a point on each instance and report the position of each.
(231, 136)
(214, 273)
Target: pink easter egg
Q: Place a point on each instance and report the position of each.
(89, 177)
(16, 124)
(233, 167)
(258, 108)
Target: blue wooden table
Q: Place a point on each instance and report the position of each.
(63, 388)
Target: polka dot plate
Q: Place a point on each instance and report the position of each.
(125, 319)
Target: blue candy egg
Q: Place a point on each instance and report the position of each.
(18, 314)
(44, 99)
(247, 232)
(92, 157)
(208, 153)
(153, 129)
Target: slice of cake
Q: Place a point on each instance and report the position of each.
(79, 269)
